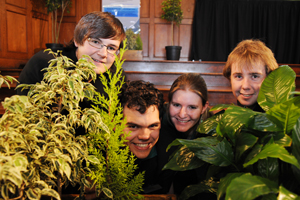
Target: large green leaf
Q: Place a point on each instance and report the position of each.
(274, 151)
(249, 187)
(183, 160)
(193, 190)
(209, 125)
(296, 147)
(224, 182)
(209, 149)
(268, 168)
(284, 194)
(276, 87)
(243, 143)
(233, 119)
(286, 113)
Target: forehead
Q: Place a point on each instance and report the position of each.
(258, 67)
(186, 97)
(150, 116)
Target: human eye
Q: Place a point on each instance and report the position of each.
(176, 104)
(111, 48)
(255, 76)
(193, 107)
(154, 126)
(132, 126)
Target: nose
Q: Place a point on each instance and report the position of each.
(144, 134)
(182, 112)
(102, 52)
(246, 83)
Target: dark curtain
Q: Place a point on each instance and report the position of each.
(219, 25)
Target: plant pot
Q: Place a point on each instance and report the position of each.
(173, 52)
(133, 55)
(54, 46)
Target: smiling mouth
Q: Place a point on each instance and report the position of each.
(96, 60)
(247, 95)
(183, 121)
(141, 145)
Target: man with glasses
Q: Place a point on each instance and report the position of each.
(97, 34)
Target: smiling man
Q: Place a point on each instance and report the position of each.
(98, 34)
(246, 68)
(143, 109)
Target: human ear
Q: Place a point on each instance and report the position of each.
(205, 107)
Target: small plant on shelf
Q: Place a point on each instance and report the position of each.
(172, 12)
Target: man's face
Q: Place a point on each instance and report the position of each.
(144, 130)
(100, 57)
(246, 82)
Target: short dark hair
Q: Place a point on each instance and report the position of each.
(99, 24)
(141, 95)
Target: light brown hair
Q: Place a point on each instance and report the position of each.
(192, 82)
(248, 53)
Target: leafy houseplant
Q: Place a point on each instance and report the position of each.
(53, 7)
(39, 151)
(134, 46)
(172, 12)
(114, 175)
(251, 154)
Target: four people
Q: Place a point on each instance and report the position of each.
(151, 130)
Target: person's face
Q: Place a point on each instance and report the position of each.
(100, 57)
(246, 82)
(185, 109)
(144, 130)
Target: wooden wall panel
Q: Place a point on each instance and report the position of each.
(19, 3)
(67, 32)
(16, 32)
(145, 9)
(162, 39)
(185, 37)
(145, 37)
(40, 33)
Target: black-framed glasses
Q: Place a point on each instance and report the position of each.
(94, 42)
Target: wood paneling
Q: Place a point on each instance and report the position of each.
(66, 32)
(16, 32)
(19, 3)
(40, 33)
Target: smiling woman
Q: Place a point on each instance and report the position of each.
(188, 102)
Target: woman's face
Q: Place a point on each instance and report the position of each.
(185, 109)
(100, 57)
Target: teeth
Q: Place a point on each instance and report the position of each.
(182, 121)
(96, 60)
(142, 145)
(247, 95)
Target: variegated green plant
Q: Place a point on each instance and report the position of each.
(7, 80)
(114, 176)
(253, 154)
(39, 151)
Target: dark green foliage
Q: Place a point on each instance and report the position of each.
(172, 11)
(114, 174)
(134, 41)
(257, 154)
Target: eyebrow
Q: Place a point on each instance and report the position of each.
(134, 124)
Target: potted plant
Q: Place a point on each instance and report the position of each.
(172, 12)
(53, 7)
(251, 154)
(39, 151)
(134, 46)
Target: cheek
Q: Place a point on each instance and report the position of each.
(131, 135)
(195, 115)
(173, 111)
